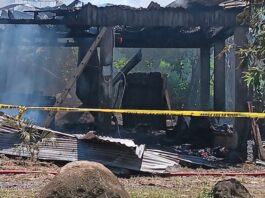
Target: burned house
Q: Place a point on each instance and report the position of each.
(95, 31)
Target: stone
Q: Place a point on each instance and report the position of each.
(230, 188)
(84, 179)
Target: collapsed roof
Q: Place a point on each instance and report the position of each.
(197, 24)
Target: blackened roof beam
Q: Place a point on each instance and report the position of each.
(33, 21)
(166, 37)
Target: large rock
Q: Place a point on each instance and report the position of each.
(230, 188)
(84, 179)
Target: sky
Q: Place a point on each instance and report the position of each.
(134, 3)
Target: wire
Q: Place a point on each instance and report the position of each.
(116, 99)
(124, 86)
(114, 104)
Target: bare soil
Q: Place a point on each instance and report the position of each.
(29, 185)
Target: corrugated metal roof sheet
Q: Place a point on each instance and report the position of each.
(208, 3)
(233, 4)
(120, 153)
(139, 149)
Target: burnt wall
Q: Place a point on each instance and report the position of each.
(144, 91)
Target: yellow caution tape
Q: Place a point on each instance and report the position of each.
(143, 112)
(21, 111)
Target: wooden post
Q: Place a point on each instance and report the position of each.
(241, 92)
(205, 78)
(256, 135)
(4, 72)
(87, 84)
(219, 76)
(106, 75)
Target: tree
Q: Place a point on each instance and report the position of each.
(176, 64)
(254, 53)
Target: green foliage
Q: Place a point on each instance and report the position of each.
(165, 193)
(18, 192)
(30, 137)
(152, 193)
(175, 64)
(148, 64)
(255, 77)
(205, 193)
(164, 64)
(120, 63)
(254, 54)
(177, 79)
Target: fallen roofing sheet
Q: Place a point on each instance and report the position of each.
(119, 153)
(233, 4)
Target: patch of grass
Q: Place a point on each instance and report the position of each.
(17, 193)
(166, 193)
(152, 193)
(205, 193)
(134, 193)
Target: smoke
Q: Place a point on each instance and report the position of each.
(179, 3)
(22, 80)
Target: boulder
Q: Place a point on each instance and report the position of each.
(230, 188)
(84, 179)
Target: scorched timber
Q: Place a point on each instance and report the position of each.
(33, 21)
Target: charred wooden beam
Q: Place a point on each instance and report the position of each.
(33, 21)
(162, 40)
(169, 37)
(255, 132)
(205, 78)
(165, 37)
(87, 84)
(219, 76)
(241, 92)
(105, 78)
(128, 67)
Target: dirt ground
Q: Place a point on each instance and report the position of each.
(27, 185)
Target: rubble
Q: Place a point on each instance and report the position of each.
(96, 30)
(112, 152)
